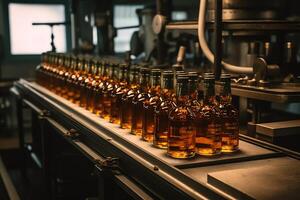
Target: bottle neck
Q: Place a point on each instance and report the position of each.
(98, 70)
(225, 93)
(182, 92)
(104, 72)
(75, 65)
(193, 85)
(144, 80)
(112, 73)
(123, 75)
(168, 83)
(80, 65)
(209, 91)
(88, 67)
(134, 79)
(155, 81)
(61, 62)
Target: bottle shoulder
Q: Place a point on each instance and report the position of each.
(228, 110)
(208, 111)
(181, 113)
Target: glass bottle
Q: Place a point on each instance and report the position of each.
(230, 117)
(89, 84)
(98, 106)
(65, 75)
(53, 72)
(58, 74)
(150, 104)
(61, 69)
(39, 71)
(76, 80)
(83, 80)
(106, 90)
(117, 93)
(162, 110)
(44, 80)
(96, 68)
(140, 96)
(182, 132)
(70, 79)
(177, 69)
(208, 136)
(193, 83)
(126, 110)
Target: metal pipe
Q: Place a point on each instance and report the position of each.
(218, 38)
(207, 52)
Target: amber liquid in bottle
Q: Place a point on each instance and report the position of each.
(106, 92)
(70, 85)
(162, 110)
(61, 72)
(54, 73)
(42, 70)
(76, 80)
(67, 64)
(126, 108)
(90, 84)
(98, 103)
(83, 80)
(95, 86)
(117, 93)
(138, 100)
(149, 106)
(230, 117)
(208, 136)
(182, 132)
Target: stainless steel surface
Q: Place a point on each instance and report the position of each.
(239, 14)
(241, 25)
(245, 9)
(271, 179)
(275, 129)
(262, 179)
(277, 93)
(246, 4)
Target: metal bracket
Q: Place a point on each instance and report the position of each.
(108, 164)
(43, 114)
(72, 134)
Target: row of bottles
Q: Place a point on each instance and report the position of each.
(165, 108)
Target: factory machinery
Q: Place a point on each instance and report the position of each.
(83, 155)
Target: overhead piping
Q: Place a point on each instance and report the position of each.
(207, 52)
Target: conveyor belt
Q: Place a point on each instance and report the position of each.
(189, 176)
